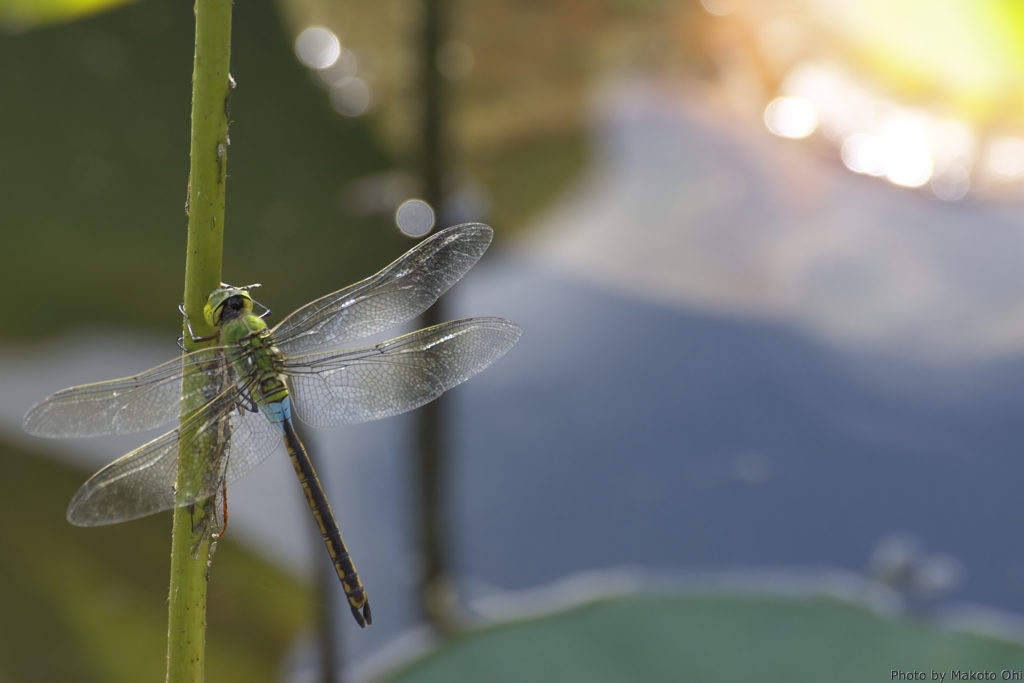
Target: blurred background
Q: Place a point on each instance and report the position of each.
(765, 416)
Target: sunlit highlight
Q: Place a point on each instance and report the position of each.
(902, 160)
(907, 165)
(878, 137)
(842, 107)
(863, 153)
(1006, 157)
(953, 142)
(791, 117)
(720, 7)
(317, 47)
(906, 145)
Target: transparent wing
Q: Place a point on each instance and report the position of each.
(233, 436)
(128, 405)
(396, 294)
(368, 383)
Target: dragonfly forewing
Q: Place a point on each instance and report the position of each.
(373, 382)
(131, 404)
(228, 439)
(393, 296)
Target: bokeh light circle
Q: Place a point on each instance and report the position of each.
(415, 217)
(351, 97)
(863, 153)
(907, 166)
(317, 47)
(791, 117)
(1006, 157)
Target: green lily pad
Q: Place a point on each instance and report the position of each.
(714, 638)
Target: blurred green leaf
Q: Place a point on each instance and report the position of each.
(82, 605)
(23, 14)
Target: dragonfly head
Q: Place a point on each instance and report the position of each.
(227, 302)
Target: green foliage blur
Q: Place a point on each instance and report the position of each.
(24, 14)
(87, 605)
(94, 168)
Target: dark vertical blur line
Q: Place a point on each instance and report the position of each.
(325, 580)
(433, 159)
(436, 596)
(329, 636)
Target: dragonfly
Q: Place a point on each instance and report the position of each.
(255, 380)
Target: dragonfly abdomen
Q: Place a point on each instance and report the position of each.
(321, 508)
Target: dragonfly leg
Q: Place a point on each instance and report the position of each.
(223, 509)
(266, 311)
(199, 529)
(188, 325)
(215, 510)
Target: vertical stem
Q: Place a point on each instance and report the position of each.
(211, 89)
(186, 629)
(436, 592)
(433, 159)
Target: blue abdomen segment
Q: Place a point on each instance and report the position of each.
(279, 412)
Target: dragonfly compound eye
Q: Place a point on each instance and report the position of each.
(226, 299)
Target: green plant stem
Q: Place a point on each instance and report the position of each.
(211, 88)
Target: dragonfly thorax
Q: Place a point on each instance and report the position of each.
(259, 357)
(260, 365)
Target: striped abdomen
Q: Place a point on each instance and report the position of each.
(317, 499)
